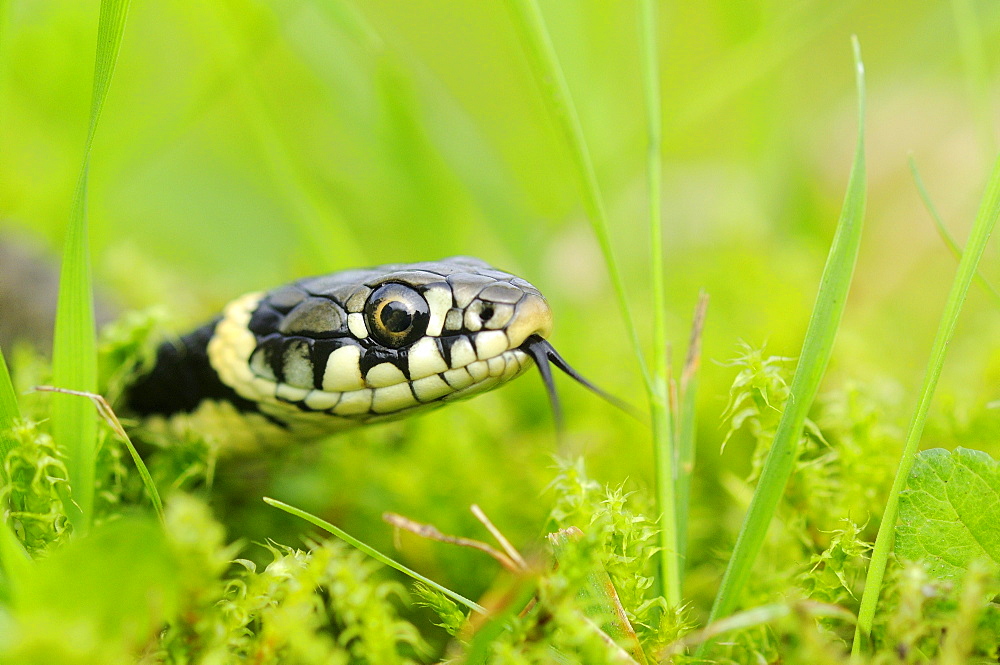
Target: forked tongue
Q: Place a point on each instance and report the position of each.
(543, 353)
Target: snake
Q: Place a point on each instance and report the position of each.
(355, 347)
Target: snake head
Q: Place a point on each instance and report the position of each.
(375, 344)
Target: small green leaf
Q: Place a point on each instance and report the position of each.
(950, 511)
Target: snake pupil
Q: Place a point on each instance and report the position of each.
(396, 317)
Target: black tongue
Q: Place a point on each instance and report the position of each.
(543, 353)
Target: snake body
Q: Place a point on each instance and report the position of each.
(345, 349)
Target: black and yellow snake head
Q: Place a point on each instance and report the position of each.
(360, 346)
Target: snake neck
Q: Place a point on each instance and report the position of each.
(182, 378)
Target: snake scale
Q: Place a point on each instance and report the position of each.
(346, 349)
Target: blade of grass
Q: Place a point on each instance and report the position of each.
(986, 219)
(816, 350)
(372, 552)
(943, 230)
(9, 412)
(659, 394)
(12, 555)
(685, 437)
(13, 558)
(74, 349)
(545, 66)
(107, 413)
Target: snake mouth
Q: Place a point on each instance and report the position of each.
(543, 353)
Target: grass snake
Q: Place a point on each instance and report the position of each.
(349, 348)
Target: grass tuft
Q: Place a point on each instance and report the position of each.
(816, 350)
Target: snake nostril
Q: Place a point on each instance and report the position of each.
(486, 313)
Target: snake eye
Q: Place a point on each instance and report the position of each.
(396, 315)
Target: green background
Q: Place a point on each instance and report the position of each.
(245, 144)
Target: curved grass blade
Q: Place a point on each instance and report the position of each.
(684, 445)
(13, 558)
(943, 230)
(816, 351)
(74, 349)
(986, 219)
(555, 92)
(9, 412)
(107, 413)
(372, 552)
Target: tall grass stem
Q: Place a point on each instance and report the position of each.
(659, 397)
(541, 55)
(372, 552)
(74, 350)
(986, 219)
(816, 350)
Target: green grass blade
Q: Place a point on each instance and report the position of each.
(74, 350)
(968, 25)
(544, 64)
(13, 558)
(372, 552)
(9, 412)
(943, 230)
(107, 413)
(659, 396)
(986, 219)
(74, 365)
(686, 430)
(816, 350)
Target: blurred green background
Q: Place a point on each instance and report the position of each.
(246, 143)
